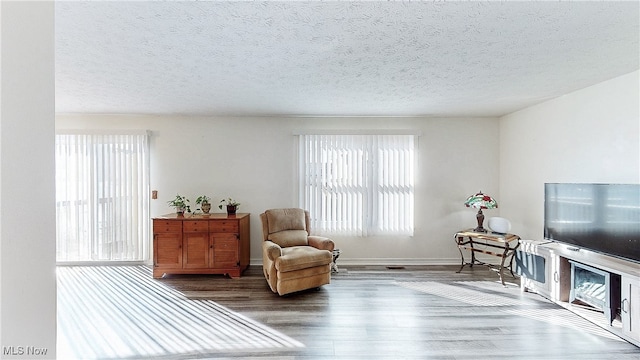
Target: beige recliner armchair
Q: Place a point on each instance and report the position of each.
(293, 260)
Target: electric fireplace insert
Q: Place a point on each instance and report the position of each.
(595, 288)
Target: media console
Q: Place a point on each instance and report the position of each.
(602, 288)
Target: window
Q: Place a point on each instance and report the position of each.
(102, 196)
(358, 184)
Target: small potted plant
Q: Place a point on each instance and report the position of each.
(181, 204)
(203, 201)
(232, 205)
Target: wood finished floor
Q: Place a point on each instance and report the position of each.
(367, 312)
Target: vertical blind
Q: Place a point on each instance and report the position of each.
(102, 196)
(358, 184)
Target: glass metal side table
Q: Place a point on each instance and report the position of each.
(501, 245)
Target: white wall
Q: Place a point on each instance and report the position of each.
(27, 191)
(254, 161)
(591, 136)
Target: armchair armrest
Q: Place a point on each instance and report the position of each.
(321, 242)
(272, 250)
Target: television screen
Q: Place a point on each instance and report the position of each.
(599, 217)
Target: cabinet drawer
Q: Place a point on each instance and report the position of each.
(166, 226)
(224, 226)
(192, 226)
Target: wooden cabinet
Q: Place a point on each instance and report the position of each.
(201, 244)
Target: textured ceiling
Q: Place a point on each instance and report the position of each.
(336, 58)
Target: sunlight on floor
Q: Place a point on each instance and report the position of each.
(558, 317)
(462, 294)
(118, 312)
(485, 293)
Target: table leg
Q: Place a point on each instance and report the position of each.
(511, 267)
(473, 253)
(502, 269)
(505, 254)
(458, 240)
(336, 255)
(513, 253)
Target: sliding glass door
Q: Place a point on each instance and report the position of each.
(102, 196)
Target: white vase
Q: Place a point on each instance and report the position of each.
(499, 225)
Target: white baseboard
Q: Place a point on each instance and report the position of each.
(384, 262)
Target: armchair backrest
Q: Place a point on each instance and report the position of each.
(285, 227)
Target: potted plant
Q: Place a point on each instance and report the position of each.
(181, 204)
(203, 201)
(231, 205)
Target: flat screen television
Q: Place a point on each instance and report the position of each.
(601, 217)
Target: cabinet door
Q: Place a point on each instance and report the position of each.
(533, 264)
(167, 250)
(196, 250)
(630, 307)
(196, 244)
(224, 250)
(561, 278)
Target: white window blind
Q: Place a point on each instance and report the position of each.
(358, 184)
(102, 196)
